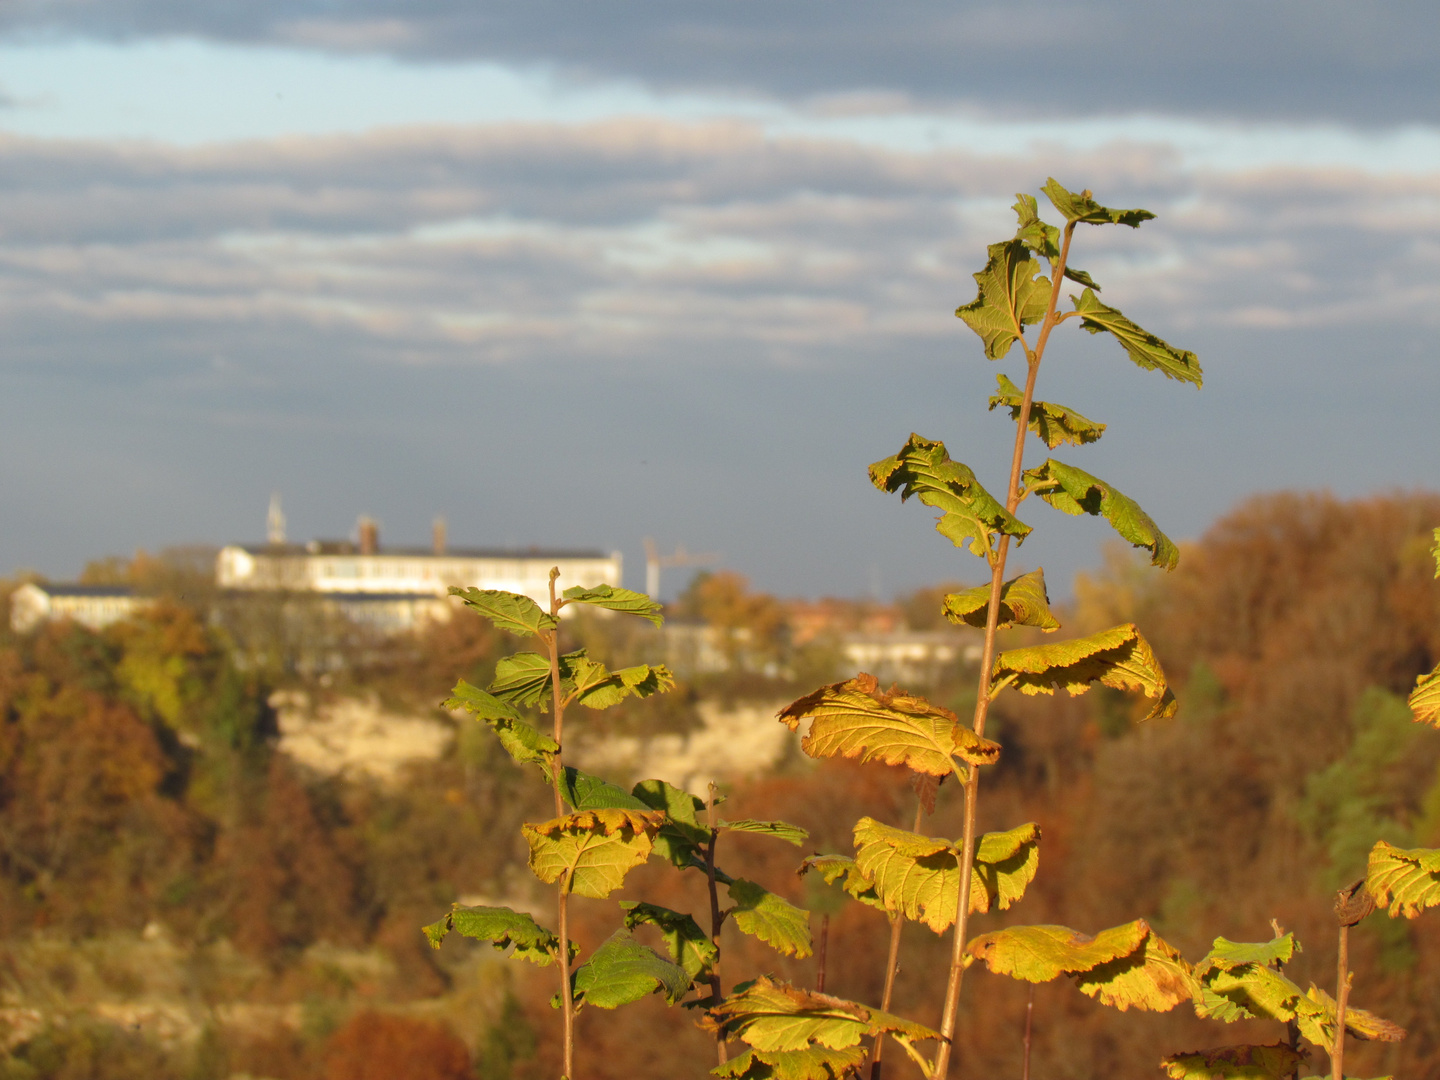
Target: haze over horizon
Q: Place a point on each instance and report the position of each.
(688, 269)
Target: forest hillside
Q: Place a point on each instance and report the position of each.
(180, 897)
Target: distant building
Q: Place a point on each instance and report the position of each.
(95, 606)
(915, 657)
(353, 569)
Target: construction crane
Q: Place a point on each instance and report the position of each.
(654, 562)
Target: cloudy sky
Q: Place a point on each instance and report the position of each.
(574, 273)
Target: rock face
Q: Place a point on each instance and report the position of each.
(732, 743)
(356, 736)
(359, 738)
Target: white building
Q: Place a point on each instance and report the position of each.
(344, 567)
(907, 656)
(95, 606)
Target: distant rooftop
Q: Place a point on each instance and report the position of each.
(349, 547)
(57, 589)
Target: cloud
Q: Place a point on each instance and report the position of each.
(1314, 60)
(724, 323)
(656, 239)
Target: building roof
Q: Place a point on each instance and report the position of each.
(349, 547)
(98, 591)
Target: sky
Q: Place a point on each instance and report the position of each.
(577, 273)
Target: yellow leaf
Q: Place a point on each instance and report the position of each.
(1119, 658)
(855, 719)
(1425, 699)
(1271, 1062)
(919, 876)
(1042, 953)
(1408, 881)
(594, 849)
(1023, 602)
(1155, 978)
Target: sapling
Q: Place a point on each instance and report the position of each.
(1247, 981)
(601, 832)
(933, 880)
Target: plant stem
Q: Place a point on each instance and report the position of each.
(722, 1054)
(892, 964)
(820, 951)
(562, 959)
(1342, 999)
(1292, 1029)
(1029, 1021)
(971, 776)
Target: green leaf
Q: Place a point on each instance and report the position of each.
(1155, 978)
(680, 838)
(842, 869)
(606, 596)
(1425, 699)
(622, 970)
(775, 1016)
(1041, 953)
(1227, 954)
(1039, 237)
(1077, 492)
(781, 830)
(816, 1063)
(1143, 347)
(680, 806)
(507, 610)
(919, 876)
(1271, 1062)
(1053, 423)
(1248, 991)
(689, 946)
(1119, 658)
(1406, 880)
(971, 513)
(524, 678)
(1023, 602)
(593, 849)
(502, 928)
(1044, 239)
(478, 703)
(602, 689)
(772, 919)
(585, 792)
(854, 719)
(1237, 990)
(526, 744)
(1082, 208)
(1013, 295)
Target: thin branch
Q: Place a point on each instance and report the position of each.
(1002, 684)
(987, 661)
(892, 962)
(717, 920)
(1029, 1023)
(1342, 999)
(567, 999)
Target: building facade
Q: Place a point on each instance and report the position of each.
(95, 606)
(345, 567)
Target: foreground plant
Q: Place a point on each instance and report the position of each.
(1247, 981)
(937, 881)
(601, 832)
